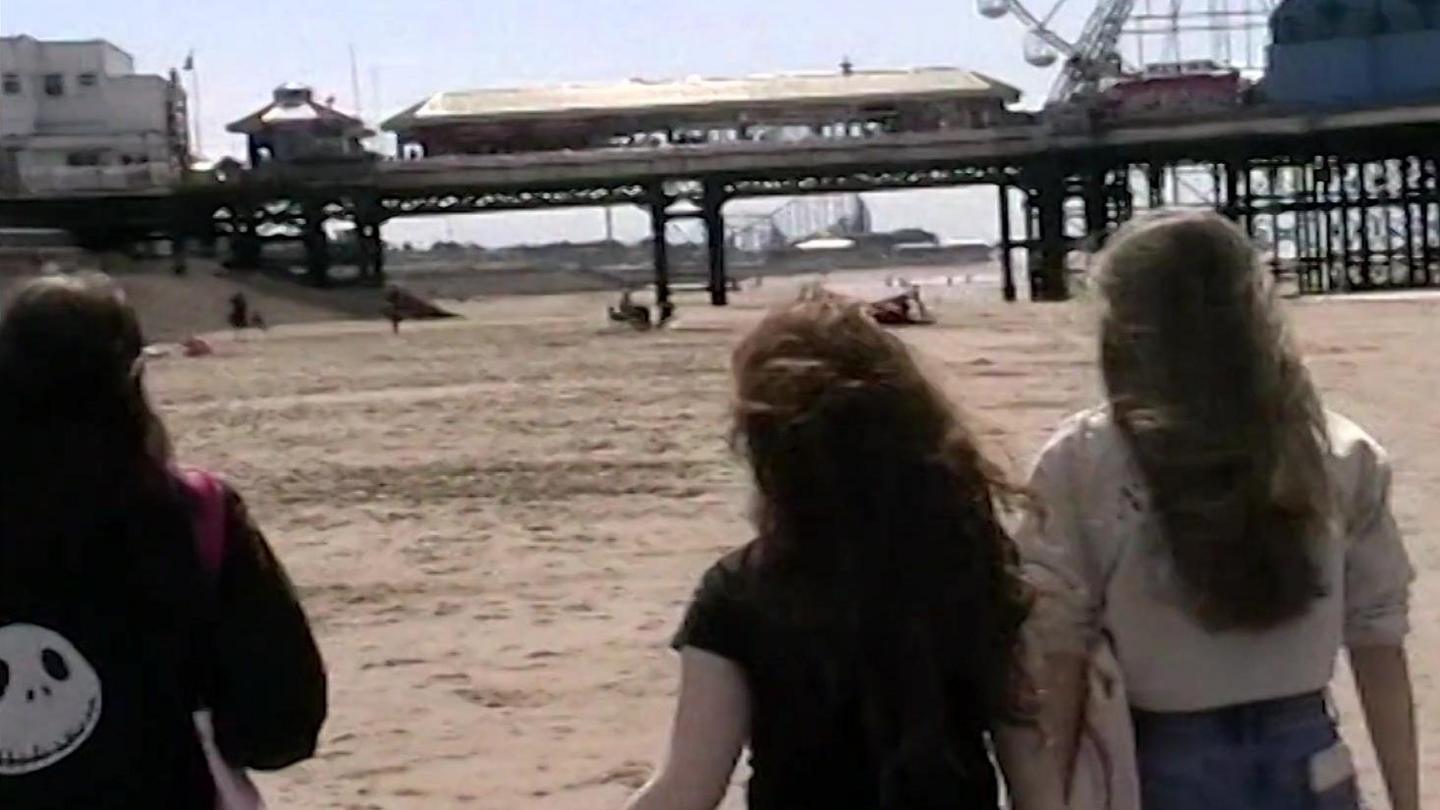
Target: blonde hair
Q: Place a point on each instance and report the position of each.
(1209, 388)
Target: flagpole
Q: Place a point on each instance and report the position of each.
(195, 103)
(355, 83)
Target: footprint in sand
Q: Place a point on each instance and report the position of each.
(492, 698)
(631, 774)
(447, 677)
(394, 663)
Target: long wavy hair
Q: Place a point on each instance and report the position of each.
(1206, 383)
(80, 446)
(879, 522)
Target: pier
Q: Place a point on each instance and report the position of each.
(1342, 199)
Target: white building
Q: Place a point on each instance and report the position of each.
(75, 116)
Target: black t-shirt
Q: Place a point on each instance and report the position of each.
(105, 656)
(808, 744)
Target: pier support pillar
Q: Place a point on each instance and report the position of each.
(712, 213)
(317, 250)
(1097, 217)
(1047, 270)
(659, 216)
(179, 254)
(1155, 184)
(377, 266)
(1231, 207)
(1007, 267)
(372, 253)
(245, 249)
(1430, 190)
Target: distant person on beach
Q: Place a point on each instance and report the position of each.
(905, 309)
(866, 643)
(629, 312)
(394, 308)
(143, 616)
(239, 314)
(1225, 535)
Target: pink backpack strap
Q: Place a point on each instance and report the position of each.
(208, 497)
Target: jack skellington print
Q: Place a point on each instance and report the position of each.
(49, 699)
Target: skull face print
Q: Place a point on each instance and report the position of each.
(49, 699)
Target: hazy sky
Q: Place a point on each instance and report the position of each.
(408, 50)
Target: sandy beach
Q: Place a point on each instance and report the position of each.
(495, 521)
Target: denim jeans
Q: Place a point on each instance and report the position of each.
(1255, 756)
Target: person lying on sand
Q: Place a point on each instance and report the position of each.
(906, 309)
(628, 312)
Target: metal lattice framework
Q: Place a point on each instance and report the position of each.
(394, 205)
(800, 219)
(1126, 37)
(860, 180)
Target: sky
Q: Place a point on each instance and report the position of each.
(408, 50)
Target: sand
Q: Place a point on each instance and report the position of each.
(495, 522)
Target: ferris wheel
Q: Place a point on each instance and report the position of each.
(1120, 38)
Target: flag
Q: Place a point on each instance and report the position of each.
(189, 61)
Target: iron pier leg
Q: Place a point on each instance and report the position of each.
(377, 259)
(1339, 178)
(1427, 208)
(1272, 180)
(362, 252)
(1247, 199)
(179, 250)
(712, 212)
(317, 250)
(244, 243)
(1304, 239)
(1407, 194)
(1155, 184)
(1367, 253)
(1385, 200)
(372, 253)
(1051, 283)
(1231, 209)
(658, 218)
(1032, 229)
(1007, 268)
(1325, 223)
(1096, 218)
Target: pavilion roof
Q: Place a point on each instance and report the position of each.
(638, 97)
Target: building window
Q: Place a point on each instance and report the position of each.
(88, 79)
(11, 82)
(54, 84)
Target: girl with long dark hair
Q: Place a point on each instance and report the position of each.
(1226, 534)
(114, 630)
(865, 645)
